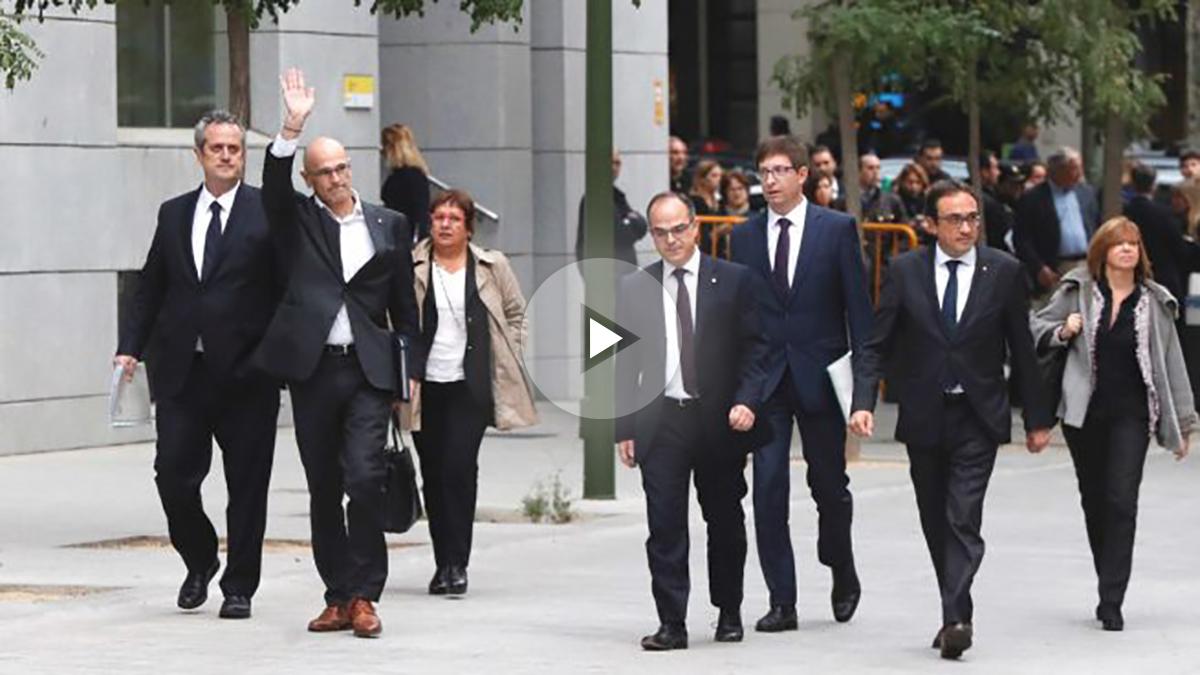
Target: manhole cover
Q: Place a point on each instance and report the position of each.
(47, 593)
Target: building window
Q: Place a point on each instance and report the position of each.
(166, 65)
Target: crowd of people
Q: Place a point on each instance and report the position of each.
(356, 308)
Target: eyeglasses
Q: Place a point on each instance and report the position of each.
(341, 170)
(960, 219)
(667, 232)
(776, 171)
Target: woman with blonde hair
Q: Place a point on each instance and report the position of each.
(1185, 203)
(406, 188)
(706, 188)
(1123, 383)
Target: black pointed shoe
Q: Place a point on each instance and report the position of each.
(955, 639)
(439, 583)
(846, 593)
(729, 626)
(668, 637)
(779, 619)
(456, 580)
(194, 591)
(1110, 617)
(235, 607)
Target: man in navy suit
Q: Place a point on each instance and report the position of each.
(207, 292)
(702, 374)
(817, 310)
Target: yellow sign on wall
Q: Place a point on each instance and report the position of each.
(358, 91)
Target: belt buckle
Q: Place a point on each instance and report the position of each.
(340, 350)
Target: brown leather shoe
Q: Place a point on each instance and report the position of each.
(333, 618)
(363, 618)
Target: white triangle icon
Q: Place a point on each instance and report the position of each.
(599, 338)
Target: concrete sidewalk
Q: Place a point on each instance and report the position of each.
(576, 597)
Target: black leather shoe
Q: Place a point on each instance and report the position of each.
(438, 584)
(667, 638)
(956, 639)
(937, 639)
(194, 590)
(779, 619)
(846, 593)
(235, 607)
(456, 580)
(729, 626)
(1110, 617)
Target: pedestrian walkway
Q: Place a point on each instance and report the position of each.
(576, 597)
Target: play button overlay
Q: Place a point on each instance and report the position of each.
(573, 338)
(601, 334)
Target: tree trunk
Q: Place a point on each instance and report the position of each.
(1192, 71)
(844, 93)
(974, 143)
(1114, 151)
(238, 23)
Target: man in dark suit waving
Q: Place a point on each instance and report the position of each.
(703, 372)
(206, 295)
(350, 272)
(816, 310)
(947, 316)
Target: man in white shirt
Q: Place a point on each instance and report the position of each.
(709, 373)
(206, 294)
(350, 275)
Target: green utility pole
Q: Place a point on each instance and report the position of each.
(599, 435)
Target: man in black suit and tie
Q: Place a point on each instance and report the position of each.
(1055, 221)
(706, 380)
(350, 275)
(206, 295)
(947, 316)
(1165, 245)
(816, 310)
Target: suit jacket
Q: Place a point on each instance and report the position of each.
(230, 311)
(827, 312)
(911, 339)
(729, 346)
(1037, 233)
(309, 242)
(1164, 242)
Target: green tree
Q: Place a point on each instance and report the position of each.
(241, 16)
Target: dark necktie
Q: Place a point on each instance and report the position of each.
(950, 298)
(782, 245)
(212, 242)
(687, 356)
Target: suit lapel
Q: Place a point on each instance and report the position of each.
(929, 283)
(185, 235)
(809, 243)
(761, 255)
(377, 229)
(331, 232)
(980, 288)
(706, 289)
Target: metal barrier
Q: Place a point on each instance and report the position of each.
(878, 231)
(718, 229)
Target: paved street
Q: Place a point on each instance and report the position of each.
(576, 597)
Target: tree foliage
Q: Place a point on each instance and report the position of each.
(18, 53)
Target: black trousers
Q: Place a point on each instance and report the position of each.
(341, 428)
(682, 450)
(1109, 456)
(452, 426)
(950, 480)
(824, 439)
(242, 417)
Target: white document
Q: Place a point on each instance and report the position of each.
(129, 402)
(842, 377)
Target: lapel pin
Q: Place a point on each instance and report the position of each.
(714, 280)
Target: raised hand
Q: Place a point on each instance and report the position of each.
(298, 99)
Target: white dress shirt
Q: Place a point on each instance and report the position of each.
(200, 221)
(691, 277)
(965, 273)
(449, 348)
(795, 234)
(355, 242)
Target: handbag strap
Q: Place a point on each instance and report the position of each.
(397, 436)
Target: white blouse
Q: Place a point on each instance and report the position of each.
(445, 360)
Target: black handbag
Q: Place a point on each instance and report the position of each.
(402, 500)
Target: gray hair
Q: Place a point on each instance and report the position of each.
(1061, 158)
(217, 116)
